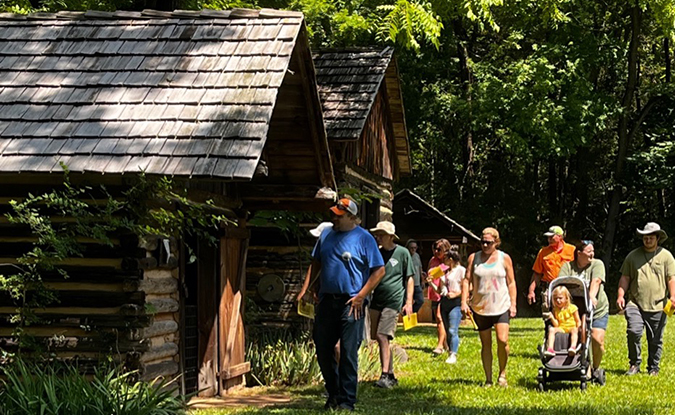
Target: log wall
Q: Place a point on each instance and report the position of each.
(270, 252)
(118, 301)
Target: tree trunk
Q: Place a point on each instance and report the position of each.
(631, 84)
(466, 79)
(666, 53)
(552, 190)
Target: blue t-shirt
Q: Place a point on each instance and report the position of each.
(347, 259)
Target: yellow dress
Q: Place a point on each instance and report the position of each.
(565, 318)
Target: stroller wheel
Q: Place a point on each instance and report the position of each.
(541, 386)
(583, 385)
(599, 377)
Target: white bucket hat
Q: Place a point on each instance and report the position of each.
(316, 232)
(386, 227)
(653, 228)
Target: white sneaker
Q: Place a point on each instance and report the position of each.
(452, 359)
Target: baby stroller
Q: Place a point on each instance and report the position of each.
(562, 366)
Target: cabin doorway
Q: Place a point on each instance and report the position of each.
(212, 297)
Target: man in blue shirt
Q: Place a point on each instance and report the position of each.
(351, 267)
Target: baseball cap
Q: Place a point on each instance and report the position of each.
(343, 206)
(554, 230)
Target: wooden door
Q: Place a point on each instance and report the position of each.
(232, 347)
(200, 286)
(207, 314)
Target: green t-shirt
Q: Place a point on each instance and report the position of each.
(594, 271)
(649, 273)
(390, 292)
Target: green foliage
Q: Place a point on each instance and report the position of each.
(406, 21)
(281, 357)
(30, 388)
(25, 7)
(287, 357)
(161, 207)
(288, 222)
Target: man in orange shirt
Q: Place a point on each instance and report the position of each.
(548, 263)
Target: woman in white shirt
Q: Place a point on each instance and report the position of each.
(450, 290)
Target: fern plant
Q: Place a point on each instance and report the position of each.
(405, 21)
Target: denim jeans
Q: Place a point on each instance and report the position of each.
(452, 317)
(333, 323)
(637, 320)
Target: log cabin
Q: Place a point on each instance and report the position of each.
(364, 118)
(223, 102)
(420, 220)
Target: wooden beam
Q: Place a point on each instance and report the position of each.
(285, 192)
(316, 124)
(91, 262)
(74, 311)
(236, 370)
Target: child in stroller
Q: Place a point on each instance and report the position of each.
(567, 358)
(564, 319)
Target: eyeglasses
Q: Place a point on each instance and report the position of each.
(341, 207)
(488, 243)
(587, 242)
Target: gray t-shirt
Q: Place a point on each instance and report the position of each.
(649, 273)
(417, 268)
(594, 271)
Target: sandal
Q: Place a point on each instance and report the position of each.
(501, 381)
(437, 350)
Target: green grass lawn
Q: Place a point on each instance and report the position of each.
(429, 386)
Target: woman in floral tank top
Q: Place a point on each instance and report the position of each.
(493, 300)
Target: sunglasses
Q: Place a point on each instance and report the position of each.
(587, 242)
(341, 207)
(488, 243)
(437, 249)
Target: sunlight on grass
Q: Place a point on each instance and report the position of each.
(429, 386)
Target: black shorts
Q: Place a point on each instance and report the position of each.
(486, 322)
(418, 298)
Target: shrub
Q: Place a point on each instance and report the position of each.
(31, 388)
(288, 357)
(282, 357)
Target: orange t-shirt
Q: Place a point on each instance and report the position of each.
(549, 262)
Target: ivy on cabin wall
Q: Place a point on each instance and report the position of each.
(60, 218)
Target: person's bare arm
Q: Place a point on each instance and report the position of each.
(305, 283)
(438, 288)
(554, 321)
(511, 283)
(624, 281)
(356, 302)
(536, 279)
(409, 290)
(577, 319)
(466, 282)
(594, 289)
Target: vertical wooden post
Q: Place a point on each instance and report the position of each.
(232, 347)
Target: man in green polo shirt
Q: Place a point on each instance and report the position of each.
(648, 276)
(393, 292)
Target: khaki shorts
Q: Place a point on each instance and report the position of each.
(383, 322)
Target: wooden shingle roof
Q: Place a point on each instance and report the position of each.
(180, 93)
(349, 81)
